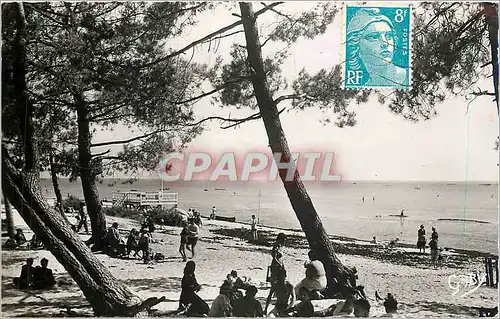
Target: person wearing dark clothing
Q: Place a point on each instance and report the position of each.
(83, 218)
(277, 268)
(133, 242)
(248, 306)
(43, 276)
(144, 246)
(189, 300)
(433, 244)
(25, 280)
(184, 239)
(390, 304)
(304, 308)
(421, 239)
(434, 234)
(19, 237)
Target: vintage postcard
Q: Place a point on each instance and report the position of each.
(248, 159)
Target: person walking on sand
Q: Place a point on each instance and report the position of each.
(254, 228)
(214, 213)
(83, 218)
(193, 230)
(184, 240)
(421, 239)
(363, 199)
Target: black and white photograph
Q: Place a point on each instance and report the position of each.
(250, 159)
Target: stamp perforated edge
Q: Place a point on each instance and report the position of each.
(343, 43)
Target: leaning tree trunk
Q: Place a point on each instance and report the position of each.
(8, 217)
(340, 278)
(55, 184)
(106, 295)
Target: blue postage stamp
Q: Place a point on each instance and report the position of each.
(377, 47)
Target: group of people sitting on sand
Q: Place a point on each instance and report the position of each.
(39, 277)
(137, 241)
(237, 295)
(230, 302)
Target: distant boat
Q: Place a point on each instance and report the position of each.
(221, 189)
(484, 184)
(418, 187)
(165, 188)
(205, 190)
(226, 219)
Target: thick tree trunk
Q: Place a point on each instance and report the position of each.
(87, 172)
(340, 278)
(492, 22)
(106, 295)
(87, 175)
(55, 184)
(8, 217)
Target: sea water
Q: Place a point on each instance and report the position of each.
(341, 208)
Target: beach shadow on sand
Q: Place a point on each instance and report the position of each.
(161, 284)
(42, 303)
(446, 309)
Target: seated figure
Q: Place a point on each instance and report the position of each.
(315, 280)
(19, 237)
(248, 306)
(43, 276)
(133, 242)
(25, 280)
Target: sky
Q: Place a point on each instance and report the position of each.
(455, 146)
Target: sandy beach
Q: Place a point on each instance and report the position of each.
(420, 289)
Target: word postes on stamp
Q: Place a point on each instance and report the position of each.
(377, 47)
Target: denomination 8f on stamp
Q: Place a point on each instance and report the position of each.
(377, 47)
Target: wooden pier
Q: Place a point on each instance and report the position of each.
(137, 199)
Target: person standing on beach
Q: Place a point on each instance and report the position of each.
(433, 244)
(434, 235)
(254, 228)
(363, 199)
(214, 213)
(83, 218)
(277, 268)
(192, 236)
(184, 240)
(421, 239)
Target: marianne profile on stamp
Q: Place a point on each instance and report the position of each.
(377, 51)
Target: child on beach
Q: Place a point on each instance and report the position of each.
(254, 228)
(25, 280)
(184, 240)
(132, 242)
(189, 300)
(285, 297)
(421, 239)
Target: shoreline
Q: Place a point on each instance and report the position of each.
(360, 242)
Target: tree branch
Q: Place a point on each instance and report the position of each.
(101, 154)
(236, 80)
(127, 141)
(255, 116)
(205, 38)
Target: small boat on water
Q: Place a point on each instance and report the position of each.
(226, 219)
(221, 189)
(399, 215)
(418, 187)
